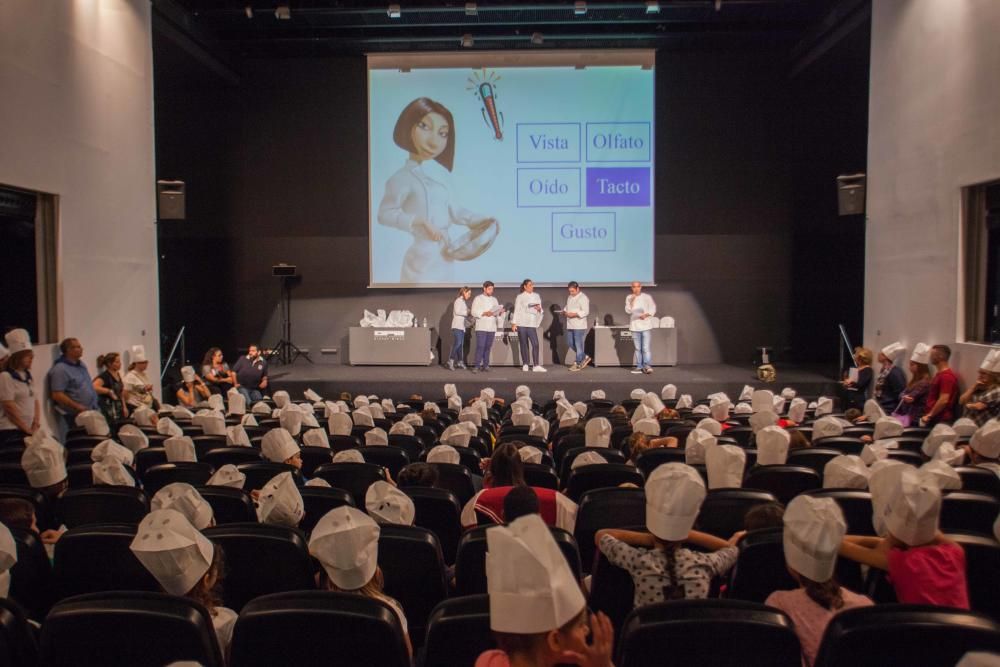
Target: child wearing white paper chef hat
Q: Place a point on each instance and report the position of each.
(890, 381)
(924, 566)
(660, 567)
(387, 504)
(280, 502)
(186, 564)
(981, 401)
(983, 449)
(278, 446)
(185, 499)
(813, 530)
(44, 463)
(538, 613)
(345, 542)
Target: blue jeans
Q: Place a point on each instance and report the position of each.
(576, 338)
(484, 343)
(524, 336)
(643, 352)
(458, 341)
(252, 395)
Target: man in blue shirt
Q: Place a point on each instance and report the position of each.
(70, 385)
(251, 374)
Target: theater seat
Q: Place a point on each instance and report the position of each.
(31, 577)
(722, 633)
(322, 628)
(856, 505)
(43, 509)
(969, 512)
(355, 478)
(318, 500)
(414, 573)
(147, 458)
(125, 629)
(392, 458)
(102, 504)
(457, 632)
(470, 562)
(608, 454)
(982, 566)
(339, 443)
(895, 634)
(206, 443)
(599, 476)
(562, 444)
(261, 559)
(314, 457)
(229, 505)
(456, 478)
(979, 479)
(742, 434)
(439, 511)
(841, 444)
(784, 481)
(408, 443)
(541, 476)
(259, 474)
(158, 476)
(96, 558)
(606, 508)
(815, 458)
(220, 456)
(611, 590)
(651, 459)
(18, 647)
(723, 510)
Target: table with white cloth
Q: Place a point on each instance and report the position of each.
(613, 346)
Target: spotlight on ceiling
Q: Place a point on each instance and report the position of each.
(652, 7)
(580, 7)
(536, 38)
(467, 41)
(471, 9)
(718, 5)
(394, 11)
(283, 12)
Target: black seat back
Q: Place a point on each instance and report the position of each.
(651, 459)
(31, 576)
(599, 476)
(856, 505)
(147, 458)
(784, 481)
(314, 457)
(723, 510)
(96, 558)
(606, 508)
(102, 504)
(470, 563)
(413, 570)
(317, 501)
(979, 479)
(259, 474)
(982, 563)
(842, 444)
(358, 630)
(229, 505)
(458, 631)
(541, 476)
(408, 443)
(608, 454)
(969, 512)
(815, 458)
(148, 629)
(261, 559)
(439, 511)
(220, 456)
(393, 458)
(456, 478)
(158, 476)
(18, 647)
(355, 478)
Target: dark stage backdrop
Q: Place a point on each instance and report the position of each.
(276, 170)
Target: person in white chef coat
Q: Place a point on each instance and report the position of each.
(459, 313)
(486, 309)
(527, 318)
(640, 307)
(577, 309)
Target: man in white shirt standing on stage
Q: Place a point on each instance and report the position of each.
(577, 309)
(485, 308)
(640, 307)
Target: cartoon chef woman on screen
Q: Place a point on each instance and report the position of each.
(418, 198)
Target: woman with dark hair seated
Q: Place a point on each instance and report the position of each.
(216, 372)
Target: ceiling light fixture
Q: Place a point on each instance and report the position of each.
(471, 9)
(580, 7)
(652, 7)
(537, 39)
(718, 5)
(283, 12)
(394, 11)
(248, 10)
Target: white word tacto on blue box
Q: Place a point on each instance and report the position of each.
(589, 231)
(547, 186)
(548, 142)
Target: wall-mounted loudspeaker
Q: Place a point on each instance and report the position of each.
(851, 194)
(170, 200)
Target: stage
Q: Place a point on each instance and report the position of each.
(399, 382)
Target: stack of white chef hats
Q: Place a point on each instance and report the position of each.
(172, 550)
(674, 493)
(598, 432)
(531, 588)
(185, 499)
(280, 502)
(387, 504)
(345, 542)
(278, 445)
(813, 530)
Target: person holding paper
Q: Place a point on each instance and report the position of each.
(459, 311)
(640, 307)
(486, 309)
(527, 318)
(577, 309)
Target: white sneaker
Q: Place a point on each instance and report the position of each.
(539, 369)
(525, 368)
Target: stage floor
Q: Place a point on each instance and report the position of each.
(399, 382)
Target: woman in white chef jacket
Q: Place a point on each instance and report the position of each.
(418, 197)
(527, 318)
(459, 313)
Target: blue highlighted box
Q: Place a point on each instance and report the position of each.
(548, 142)
(546, 187)
(619, 142)
(574, 231)
(618, 186)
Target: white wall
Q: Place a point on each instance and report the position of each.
(934, 127)
(77, 120)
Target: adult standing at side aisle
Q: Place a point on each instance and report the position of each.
(70, 385)
(486, 309)
(577, 310)
(459, 314)
(20, 410)
(527, 319)
(640, 308)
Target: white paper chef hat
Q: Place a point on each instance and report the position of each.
(227, 475)
(913, 510)
(743, 409)
(940, 434)
(587, 459)
(772, 446)
(986, 440)
(581, 408)
(746, 394)
(921, 353)
(941, 474)
(845, 472)
(950, 454)
(558, 394)
(471, 415)
(185, 499)
(450, 390)
(183, 414)
(710, 425)
(133, 437)
(348, 456)
(893, 350)
(814, 528)
(180, 449)
(94, 422)
(387, 406)
(387, 504)
(779, 405)
(8, 557)
(701, 409)
(236, 436)
(248, 420)
(598, 395)
(345, 542)
(668, 392)
(827, 427)
(109, 449)
(653, 402)
(522, 390)
(401, 428)
(112, 473)
(454, 403)
(979, 659)
(873, 411)
(521, 417)
(797, 410)
(965, 427)
(443, 454)
(278, 445)
(598, 432)
(376, 411)
(877, 451)
(280, 502)
(340, 424)
(788, 393)
(720, 408)
(143, 416)
(188, 374)
(376, 437)
(212, 424)
(530, 454)
(697, 442)
(173, 550)
(641, 412)
(281, 399)
(455, 435)
(882, 483)
(261, 408)
(725, 465)
(684, 402)
(291, 419)
(637, 394)
(166, 426)
(569, 418)
(531, 588)
(762, 419)
(991, 363)
(886, 427)
(18, 340)
(216, 402)
(138, 354)
(762, 399)
(674, 493)
(539, 428)
(649, 426)
(44, 461)
(824, 406)
(316, 437)
(237, 402)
